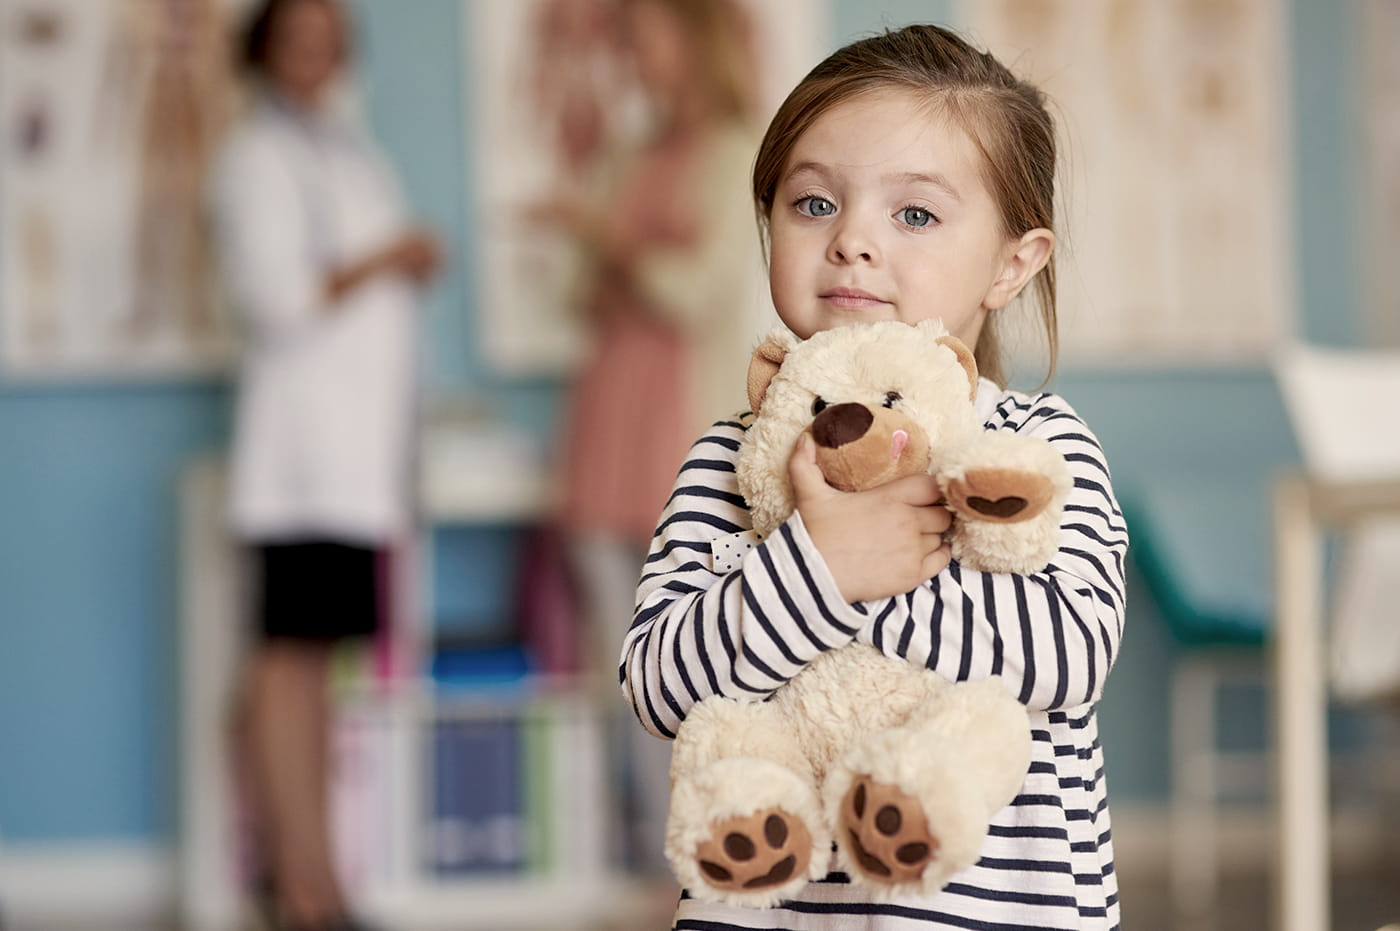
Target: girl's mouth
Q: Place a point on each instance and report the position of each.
(851, 298)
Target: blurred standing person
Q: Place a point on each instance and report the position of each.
(323, 267)
(675, 297)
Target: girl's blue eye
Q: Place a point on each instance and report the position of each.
(916, 216)
(816, 207)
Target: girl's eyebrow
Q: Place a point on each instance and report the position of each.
(919, 177)
(801, 168)
(935, 179)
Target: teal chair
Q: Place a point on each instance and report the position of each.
(1203, 549)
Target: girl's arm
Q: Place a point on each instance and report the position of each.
(1051, 635)
(705, 627)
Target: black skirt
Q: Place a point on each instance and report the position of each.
(317, 590)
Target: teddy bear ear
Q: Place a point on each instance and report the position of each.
(767, 358)
(965, 359)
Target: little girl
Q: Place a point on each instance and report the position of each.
(909, 176)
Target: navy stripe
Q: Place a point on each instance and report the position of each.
(678, 660)
(907, 634)
(878, 634)
(704, 491)
(702, 652)
(786, 533)
(794, 613)
(699, 517)
(766, 623)
(935, 625)
(989, 603)
(1018, 584)
(965, 661)
(939, 918)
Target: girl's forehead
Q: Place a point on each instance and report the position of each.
(893, 131)
(885, 110)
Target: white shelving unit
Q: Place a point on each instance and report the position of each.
(578, 888)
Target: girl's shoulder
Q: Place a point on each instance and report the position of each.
(725, 435)
(1005, 409)
(717, 449)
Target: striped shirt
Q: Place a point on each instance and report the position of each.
(703, 628)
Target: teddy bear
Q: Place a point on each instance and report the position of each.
(897, 767)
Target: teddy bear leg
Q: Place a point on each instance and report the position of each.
(910, 805)
(746, 826)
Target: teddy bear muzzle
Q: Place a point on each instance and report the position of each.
(859, 447)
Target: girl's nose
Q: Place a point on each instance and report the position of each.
(852, 245)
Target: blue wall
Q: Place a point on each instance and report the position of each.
(88, 550)
(87, 603)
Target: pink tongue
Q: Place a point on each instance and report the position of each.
(898, 441)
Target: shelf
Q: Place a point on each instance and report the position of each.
(397, 712)
(482, 474)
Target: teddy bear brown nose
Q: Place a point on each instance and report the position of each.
(841, 424)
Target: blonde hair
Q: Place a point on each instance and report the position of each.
(1005, 117)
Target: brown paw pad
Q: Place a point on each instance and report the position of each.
(1001, 495)
(886, 832)
(757, 851)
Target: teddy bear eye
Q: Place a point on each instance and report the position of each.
(891, 397)
(818, 405)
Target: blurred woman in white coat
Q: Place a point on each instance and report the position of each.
(323, 267)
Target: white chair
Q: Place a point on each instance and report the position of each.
(1342, 406)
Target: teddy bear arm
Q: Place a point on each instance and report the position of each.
(1004, 477)
(1008, 493)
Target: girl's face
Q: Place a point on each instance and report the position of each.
(881, 214)
(304, 51)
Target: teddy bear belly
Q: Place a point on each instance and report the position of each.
(847, 693)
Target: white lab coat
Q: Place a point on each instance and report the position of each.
(323, 427)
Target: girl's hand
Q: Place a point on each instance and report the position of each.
(876, 543)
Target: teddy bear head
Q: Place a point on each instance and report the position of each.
(880, 400)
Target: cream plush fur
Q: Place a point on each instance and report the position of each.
(901, 768)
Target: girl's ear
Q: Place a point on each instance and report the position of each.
(762, 367)
(1023, 259)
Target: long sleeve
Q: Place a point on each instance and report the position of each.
(742, 633)
(1052, 636)
(263, 231)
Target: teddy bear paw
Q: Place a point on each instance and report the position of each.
(1000, 495)
(755, 852)
(887, 833)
